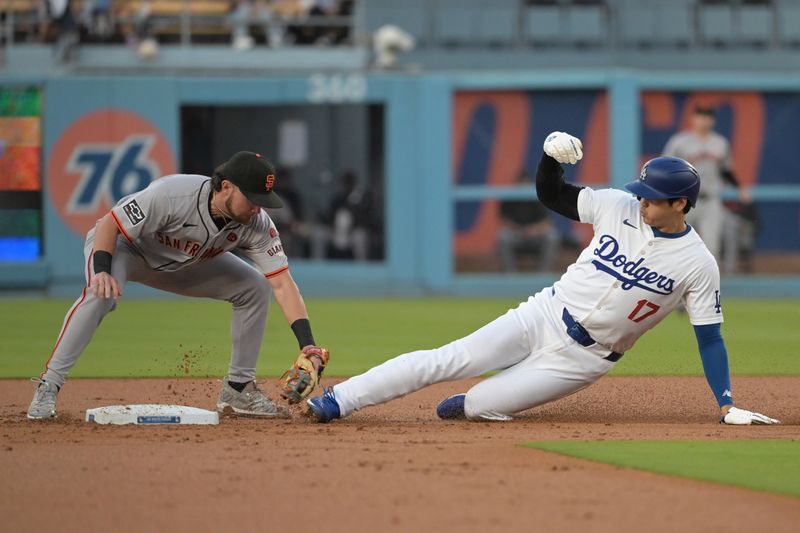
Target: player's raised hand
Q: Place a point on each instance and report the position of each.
(742, 417)
(563, 147)
(105, 286)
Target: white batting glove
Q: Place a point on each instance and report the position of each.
(563, 147)
(741, 417)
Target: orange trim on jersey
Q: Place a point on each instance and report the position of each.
(119, 226)
(275, 273)
(89, 269)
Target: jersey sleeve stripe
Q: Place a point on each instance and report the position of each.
(121, 228)
(276, 272)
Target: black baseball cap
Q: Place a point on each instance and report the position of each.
(255, 177)
(704, 110)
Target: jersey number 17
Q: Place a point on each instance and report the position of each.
(643, 310)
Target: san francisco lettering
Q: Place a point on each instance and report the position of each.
(186, 246)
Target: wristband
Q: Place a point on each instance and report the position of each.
(101, 260)
(302, 330)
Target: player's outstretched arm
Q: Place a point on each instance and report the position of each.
(563, 147)
(552, 190)
(303, 376)
(715, 365)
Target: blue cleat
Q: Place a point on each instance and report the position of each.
(452, 408)
(324, 407)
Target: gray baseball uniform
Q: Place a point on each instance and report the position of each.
(168, 240)
(710, 155)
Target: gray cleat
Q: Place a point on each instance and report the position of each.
(44, 401)
(250, 402)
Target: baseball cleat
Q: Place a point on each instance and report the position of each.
(250, 402)
(452, 408)
(324, 408)
(44, 401)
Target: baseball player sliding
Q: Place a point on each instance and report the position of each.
(642, 261)
(176, 235)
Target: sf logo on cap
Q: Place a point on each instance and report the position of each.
(270, 181)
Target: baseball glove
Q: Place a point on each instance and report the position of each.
(302, 377)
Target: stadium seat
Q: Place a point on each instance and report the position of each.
(24, 13)
(543, 24)
(789, 23)
(755, 24)
(456, 22)
(716, 24)
(412, 16)
(586, 24)
(675, 25)
(636, 24)
(497, 22)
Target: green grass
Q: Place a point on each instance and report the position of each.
(766, 465)
(172, 336)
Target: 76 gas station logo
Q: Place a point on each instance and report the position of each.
(110, 172)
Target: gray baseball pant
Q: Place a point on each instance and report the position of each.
(225, 277)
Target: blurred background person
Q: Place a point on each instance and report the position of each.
(59, 23)
(274, 16)
(710, 153)
(289, 219)
(97, 18)
(741, 227)
(135, 25)
(526, 229)
(345, 231)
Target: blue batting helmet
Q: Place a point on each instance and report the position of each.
(667, 177)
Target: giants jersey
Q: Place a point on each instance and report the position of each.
(628, 279)
(709, 155)
(169, 225)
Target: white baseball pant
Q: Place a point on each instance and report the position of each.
(538, 363)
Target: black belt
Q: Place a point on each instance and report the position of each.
(582, 337)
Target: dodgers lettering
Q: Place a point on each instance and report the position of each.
(608, 251)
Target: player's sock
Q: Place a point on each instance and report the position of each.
(238, 387)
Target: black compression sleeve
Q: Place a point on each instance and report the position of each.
(553, 191)
(302, 330)
(101, 261)
(728, 176)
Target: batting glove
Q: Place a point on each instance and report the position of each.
(563, 147)
(741, 417)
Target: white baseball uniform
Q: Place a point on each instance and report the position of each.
(569, 335)
(168, 240)
(710, 155)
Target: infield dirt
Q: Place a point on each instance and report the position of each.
(394, 467)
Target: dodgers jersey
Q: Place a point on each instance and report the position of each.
(169, 225)
(709, 155)
(628, 279)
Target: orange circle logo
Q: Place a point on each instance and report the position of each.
(99, 159)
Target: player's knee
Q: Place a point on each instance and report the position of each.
(103, 306)
(250, 289)
(259, 290)
(474, 410)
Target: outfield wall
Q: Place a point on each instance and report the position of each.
(453, 143)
